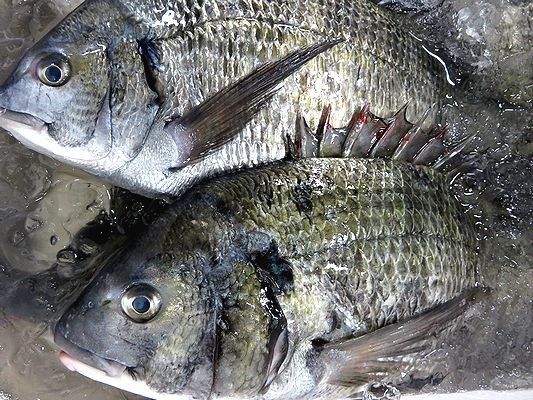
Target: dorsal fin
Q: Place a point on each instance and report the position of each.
(211, 124)
(369, 136)
(397, 128)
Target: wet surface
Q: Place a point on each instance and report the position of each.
(43, 204)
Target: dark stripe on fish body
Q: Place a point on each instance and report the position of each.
(151, 59)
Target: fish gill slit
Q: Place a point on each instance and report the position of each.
(152, 65)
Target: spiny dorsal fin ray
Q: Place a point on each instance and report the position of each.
(369, 136)
(306, 142)
(456, 154)
(211, 124)
(413, 140)
(365, 132)
(353, 130)
(375, 356)
(432, 150)
(397, 129)
(323, 125)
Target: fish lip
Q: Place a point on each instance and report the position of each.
(23, 126)
(110, 367)
(27, 129)
(10, 118)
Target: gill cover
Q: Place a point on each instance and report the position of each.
(81, 92)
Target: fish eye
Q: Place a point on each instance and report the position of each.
(141, 302)
(54, 70)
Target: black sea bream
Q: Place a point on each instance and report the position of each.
(309, 278)
(119, 88)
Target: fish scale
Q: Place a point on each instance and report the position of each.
(382, 71)
(292, 261)
(370, 201)
(425, 239)
(135, 73)
(191, 73)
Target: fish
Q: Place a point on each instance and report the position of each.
(322, 275)
(117, 87)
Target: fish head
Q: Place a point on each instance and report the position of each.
(80, 95)
(143, 328)
(57, 100)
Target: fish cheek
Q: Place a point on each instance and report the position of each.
(83, 103)
(98, 328)
(133, 103)
(184, 332)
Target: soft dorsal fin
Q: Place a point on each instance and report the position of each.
(211, 124)
(373, 357)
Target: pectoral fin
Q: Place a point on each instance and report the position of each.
(211, 124)
(373, 357)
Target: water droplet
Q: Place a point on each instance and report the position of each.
(18, 237)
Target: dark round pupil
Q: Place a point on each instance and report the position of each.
(141, 304)
(53, 73)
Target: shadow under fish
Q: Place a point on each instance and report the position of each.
(45, 295)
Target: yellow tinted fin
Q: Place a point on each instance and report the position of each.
(373, 357)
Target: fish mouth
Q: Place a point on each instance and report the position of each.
(122, 381)
(34, 133)
(75, 358)
(21, 124)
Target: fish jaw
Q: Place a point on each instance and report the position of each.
(108, 372)
(22, 126)
(122, 381)
(72, 352)
(34, 133)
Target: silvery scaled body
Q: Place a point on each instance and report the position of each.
(302, 279)
(106, 88)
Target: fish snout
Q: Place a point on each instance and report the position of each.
(74, 354)
(21, 124)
